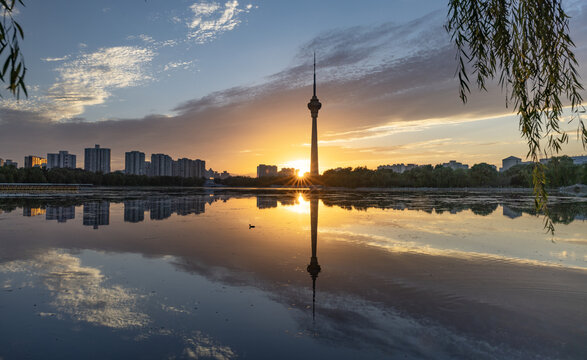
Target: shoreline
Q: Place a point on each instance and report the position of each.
(89, 189)
(86, 190)
(132, 191)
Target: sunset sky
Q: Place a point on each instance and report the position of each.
(228, 82)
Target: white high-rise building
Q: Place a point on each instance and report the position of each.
(161, 165)
(32, 161)
(190, 168)
(509, 161)
(267, 170)
(97, 159)
(61, 160)
(134, 163)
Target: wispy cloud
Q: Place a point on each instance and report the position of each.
(50, 59)
(185, 65)
(89, 79)
(167, 43)
(393, 128)
(211, 19)
(146, 38)
(204, 9)
(151, 42)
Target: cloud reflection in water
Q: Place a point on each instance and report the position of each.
(81, 291)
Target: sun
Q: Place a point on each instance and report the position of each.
(303, 166)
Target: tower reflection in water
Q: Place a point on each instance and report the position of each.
(313, 267)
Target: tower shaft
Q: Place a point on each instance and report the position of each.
(314, 153)
(314, 105)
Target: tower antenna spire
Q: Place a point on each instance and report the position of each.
(314, 74)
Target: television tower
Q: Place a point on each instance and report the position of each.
(314, 105)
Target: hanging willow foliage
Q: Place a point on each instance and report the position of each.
(525, 44)
(12, 71)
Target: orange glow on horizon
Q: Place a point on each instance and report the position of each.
(303, 166)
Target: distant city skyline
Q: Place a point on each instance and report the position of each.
(228, 82)
(166, 166)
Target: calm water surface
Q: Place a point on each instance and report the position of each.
(170, 274)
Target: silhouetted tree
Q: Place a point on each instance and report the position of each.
(561, 171)
(12, 70)
(483, 175)
(526, 45)
(518, 176)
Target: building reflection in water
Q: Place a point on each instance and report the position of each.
(271, 201)
(160, 209)
(163, 208)
(266, 202)
(511, 213)
(190, 205)
(313, 267)
(60, 213)
(97, 214)
(134, 210)
(28, 211)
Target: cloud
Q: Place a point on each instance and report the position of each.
(153, 44)
(14, 12)
(88, 80)
(166, 43)
(185, 65)
(211, 19)
(204, 9)
(146, 38)
(374, 75)
(49, 59)
(379, 131)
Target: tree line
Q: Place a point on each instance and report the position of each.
(10, 174)
(560, 171)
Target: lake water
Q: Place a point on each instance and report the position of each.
(183, 274)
